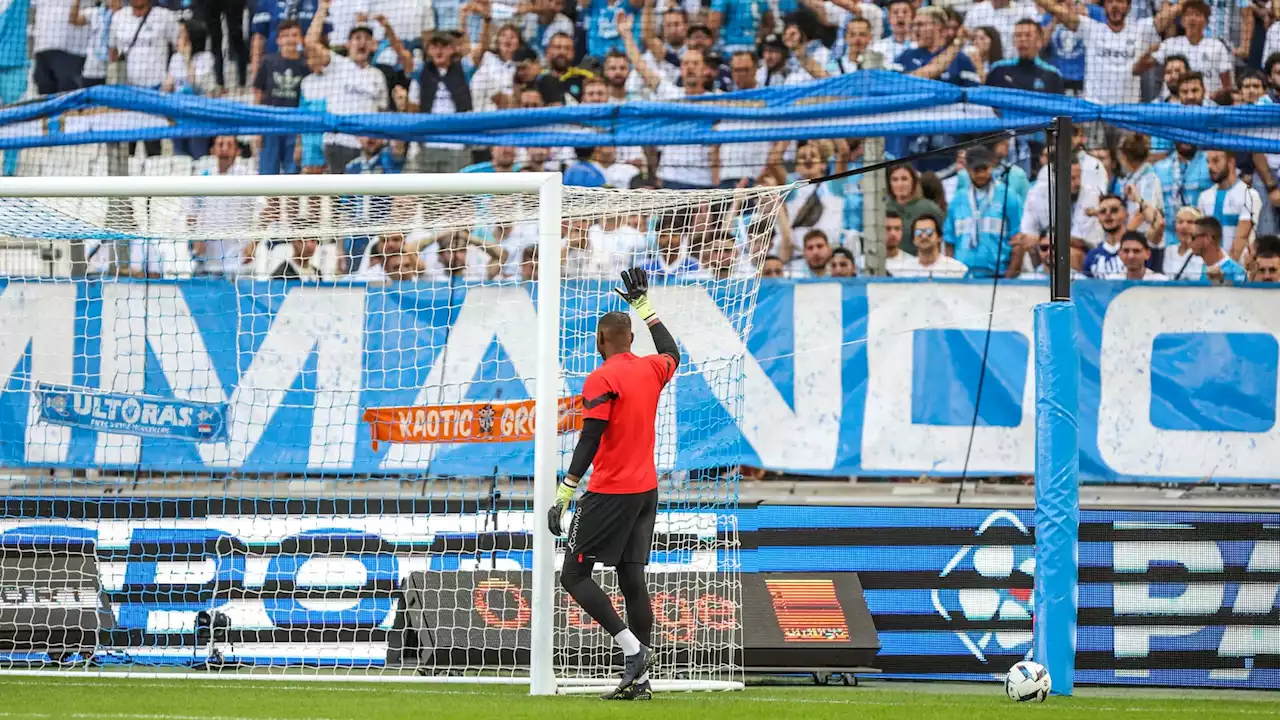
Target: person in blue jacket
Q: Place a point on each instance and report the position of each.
(982, 218)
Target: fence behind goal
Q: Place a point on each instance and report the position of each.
(339, 476)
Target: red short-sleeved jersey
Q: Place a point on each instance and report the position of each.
(624, 391)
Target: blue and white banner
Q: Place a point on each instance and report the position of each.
(1178, 383)
(142, 415)
(868, 103)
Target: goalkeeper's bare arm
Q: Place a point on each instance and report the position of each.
(614, 521)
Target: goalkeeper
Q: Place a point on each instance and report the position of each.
(614, 521)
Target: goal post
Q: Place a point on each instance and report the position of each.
(155, 351)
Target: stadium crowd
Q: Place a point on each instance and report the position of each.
(1142, 208)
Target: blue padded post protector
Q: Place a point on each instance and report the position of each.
(1057, 491)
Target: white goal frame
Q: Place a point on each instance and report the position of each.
(550, 190)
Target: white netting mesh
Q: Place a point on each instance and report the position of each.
(190, 387)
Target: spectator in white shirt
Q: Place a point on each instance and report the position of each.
(355, 87)
(1036, 214)
(897, 262)
(58, 44)
(680, 167)
(491, 85)
(97, 23)
(1235, 205)
(1205, 55)
(814, 205)
(141, 36)
(926, 233)
(1001, 15)
(1135, 253)
(1180, 261)
(208, 215)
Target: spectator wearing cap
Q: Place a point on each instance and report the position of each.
(776, 70)
(842, 264)
(441, 90)
(736, 22)
(1206, 243)
(543, 22)
(1135, 253)
(899, 40)
(982, 218)
(1232, 203)
(352, 86)
(1206, 55)
(937, 58)
(267, 16)
(1026, 71)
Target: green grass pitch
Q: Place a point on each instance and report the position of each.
(93, 698)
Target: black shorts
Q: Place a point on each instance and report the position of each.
(612, 529)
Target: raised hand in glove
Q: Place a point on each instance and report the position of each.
(636, 292)
(555, 516)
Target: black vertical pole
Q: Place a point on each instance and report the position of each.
(1060, 280)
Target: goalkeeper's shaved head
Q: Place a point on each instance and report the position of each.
(613, 334)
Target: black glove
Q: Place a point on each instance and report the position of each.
(555, 516)
(636, 292)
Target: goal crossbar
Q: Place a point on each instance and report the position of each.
(277, 185)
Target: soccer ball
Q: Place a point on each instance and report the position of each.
(1027, 682)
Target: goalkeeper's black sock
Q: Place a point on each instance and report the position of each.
(639, 608)
(575, 578)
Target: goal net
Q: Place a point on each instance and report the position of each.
(288, 425)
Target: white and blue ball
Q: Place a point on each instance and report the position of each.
(1028, 682)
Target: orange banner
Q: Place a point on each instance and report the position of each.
(499, 421)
